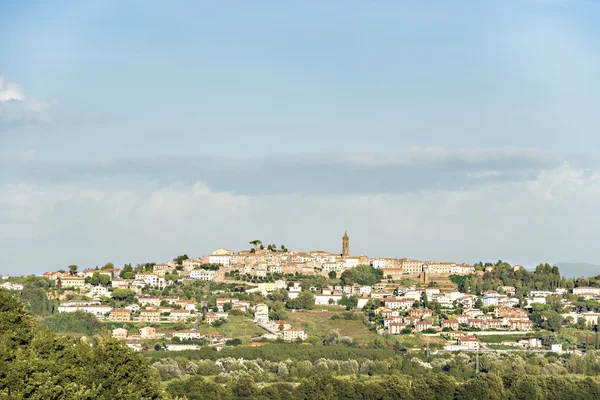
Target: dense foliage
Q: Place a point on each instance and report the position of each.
(361, 275)
(76, 322)
(403, 378)
(35, 363)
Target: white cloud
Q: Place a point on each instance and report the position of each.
(17, 109)
(519, 221)
(10, 91)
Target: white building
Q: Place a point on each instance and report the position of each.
(151, 280)
(202, 274)
(399, 303)
(92, 309)
(586, 290)
(489, 300)
(12, 286)
(98, 291)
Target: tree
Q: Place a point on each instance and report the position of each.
(127, 272)
(351, 302)
(227, 306)
(361, 275)
(434, 386)
(305, 300)
(125, 295)
(38, 364)
(256, 243)
(180, 259)
(553, 321)
(108, 265)
(72, 269)
(332, 275)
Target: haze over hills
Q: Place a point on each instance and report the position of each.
(576, 270)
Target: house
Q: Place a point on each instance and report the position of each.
(279, 324)
(120, 315)
(519, 324)
(294, 291)
(243, 305)
(119, 333)
(147, 332)
(186, 304)
(450, 324)
(420, 313)
(149, 315)
(150, 300)
(92, 309)
(489, 300)
(152, 280)
(52, 275)
(133, 307)
(186, 334)
(456, 334)
(386, 313)
(414, 295)
(261, 312)
(72, 282)
(399, 303)
(395, 328)
(411, 266)
(471, 342)
(202, 274)
(293, 334)
(389, 320)
(466, 301)
(120, 283)
(223, 300)
(432, 291)
(420, 326)
(210, 318)
(473, 313)
(326, 299)
(586, 290)
(176, 315)
(88, 273)
(591, 319)
(220, 256)
(98, 291)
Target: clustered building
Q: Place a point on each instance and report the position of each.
(402, 307)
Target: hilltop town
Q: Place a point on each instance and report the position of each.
(270, 293)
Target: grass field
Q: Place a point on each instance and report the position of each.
(236, 326)
(320, 324)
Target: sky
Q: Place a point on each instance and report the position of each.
(452, 131)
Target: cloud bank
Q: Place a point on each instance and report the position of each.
(524, 206)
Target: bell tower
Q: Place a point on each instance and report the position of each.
(345, 245)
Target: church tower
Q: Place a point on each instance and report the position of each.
(345, 245)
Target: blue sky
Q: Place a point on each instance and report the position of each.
(133, 131)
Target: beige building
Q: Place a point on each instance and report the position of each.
(149, 315)
(72, 282)
(119, 333)
(411, 266)
(147, 332)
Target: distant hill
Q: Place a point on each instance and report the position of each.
(576, 270)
